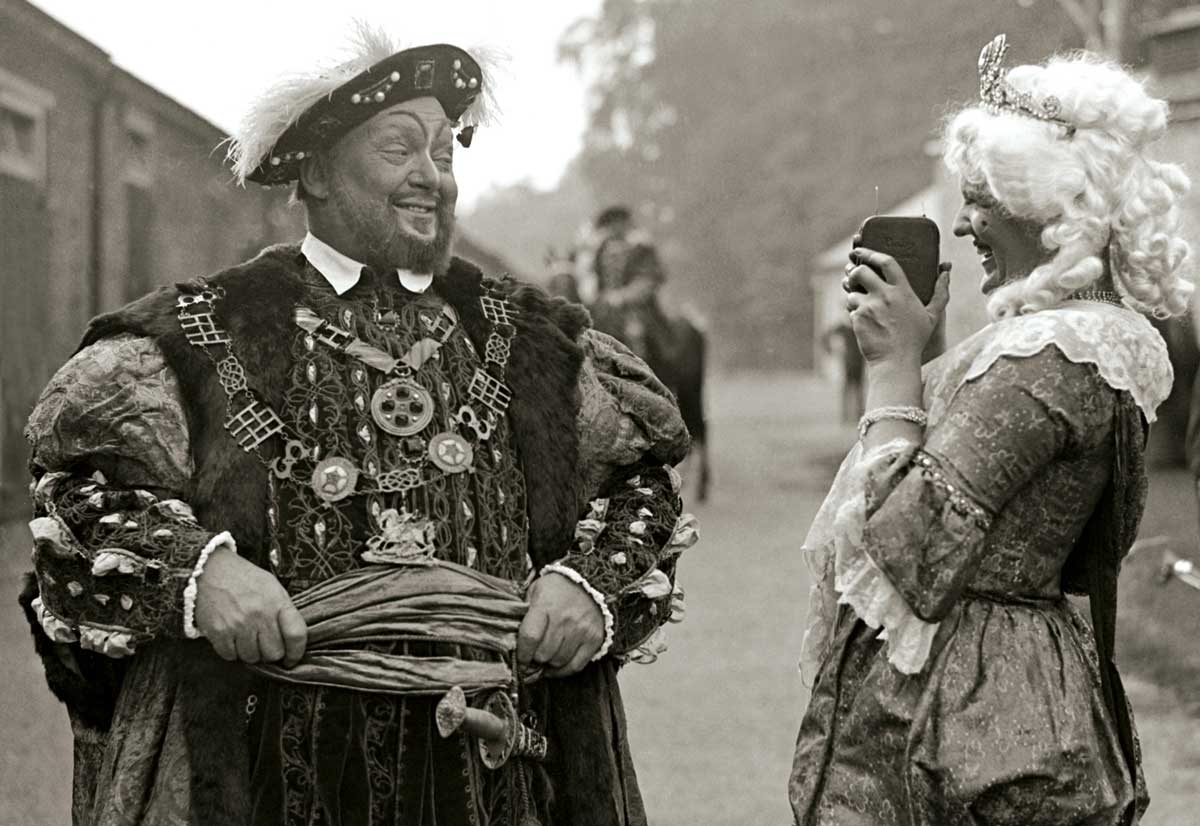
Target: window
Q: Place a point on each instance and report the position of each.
(23, 109)
(139, 202)
(139, 148)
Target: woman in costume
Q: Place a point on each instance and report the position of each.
(954, 683)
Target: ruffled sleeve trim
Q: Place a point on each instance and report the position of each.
(1127, 351)
(844, 574)
(865, 588)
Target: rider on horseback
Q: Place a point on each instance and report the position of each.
(628, 277)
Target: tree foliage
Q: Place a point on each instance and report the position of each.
(750, 135)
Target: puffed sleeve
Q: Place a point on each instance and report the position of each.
(912, 534)
(116, 548)
(632, 527)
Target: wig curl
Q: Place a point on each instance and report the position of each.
(1090, 186)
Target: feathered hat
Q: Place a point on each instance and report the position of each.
(302, 114)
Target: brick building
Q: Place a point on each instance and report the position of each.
(107, 189)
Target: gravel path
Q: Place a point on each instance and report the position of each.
(713, 722)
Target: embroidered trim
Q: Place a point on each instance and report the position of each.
(58, 630)
(223, 539)
(959, 500)
(113, 642)
(597, 597)
(1128, 352)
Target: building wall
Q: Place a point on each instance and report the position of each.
(67, 242)
(127, 190)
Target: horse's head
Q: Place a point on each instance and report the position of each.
(560, 274)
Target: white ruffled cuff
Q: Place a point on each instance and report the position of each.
(866, 589)
(221, 540)
(597, 597)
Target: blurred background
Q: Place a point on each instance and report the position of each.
(748, 138)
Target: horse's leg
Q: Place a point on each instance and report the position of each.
(690, 393)
(704, 477)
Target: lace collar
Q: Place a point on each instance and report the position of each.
(1127, 351)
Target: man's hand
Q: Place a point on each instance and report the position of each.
(246, 614)
(563, 628)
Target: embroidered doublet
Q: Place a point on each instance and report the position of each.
(477, 519)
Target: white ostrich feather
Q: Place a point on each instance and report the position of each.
(291, 96)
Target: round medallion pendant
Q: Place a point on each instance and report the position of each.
(334, 479)
(451, 452)
(402, 407)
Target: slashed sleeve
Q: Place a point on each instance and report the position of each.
(117, 549)
(911, 534)
(632, 528)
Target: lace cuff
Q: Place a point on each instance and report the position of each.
(221, 540)
(597, 597)
(874, 599)
(861, 584)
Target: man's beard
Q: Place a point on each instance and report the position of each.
(386, 246)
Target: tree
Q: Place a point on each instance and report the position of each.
(750, 135)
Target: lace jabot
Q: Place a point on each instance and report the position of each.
(1125, 348)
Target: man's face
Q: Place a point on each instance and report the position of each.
(1009, 248)
(392, 183)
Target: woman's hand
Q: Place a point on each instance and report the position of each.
(889, 321)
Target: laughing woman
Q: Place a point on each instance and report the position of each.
(954, 682)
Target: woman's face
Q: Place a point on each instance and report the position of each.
(1009, 247)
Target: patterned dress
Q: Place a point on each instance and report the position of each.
(954, 681)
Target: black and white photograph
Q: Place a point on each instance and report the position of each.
(600, 413)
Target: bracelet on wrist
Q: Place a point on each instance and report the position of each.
(895, 412)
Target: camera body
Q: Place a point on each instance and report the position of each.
(913, 242)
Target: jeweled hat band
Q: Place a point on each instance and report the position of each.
(441, 71)
(998, 95)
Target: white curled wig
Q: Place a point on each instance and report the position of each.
(274, 111)
(1090, 186)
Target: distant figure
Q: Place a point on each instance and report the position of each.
(839, 340)
(627, 275)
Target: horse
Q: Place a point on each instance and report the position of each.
(676, 351)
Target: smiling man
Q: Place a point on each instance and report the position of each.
(221, 460)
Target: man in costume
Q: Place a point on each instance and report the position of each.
(231, 473)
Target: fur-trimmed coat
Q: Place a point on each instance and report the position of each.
(551, 366)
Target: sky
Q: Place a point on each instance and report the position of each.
(214, 56)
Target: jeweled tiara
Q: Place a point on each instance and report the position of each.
(998, 95)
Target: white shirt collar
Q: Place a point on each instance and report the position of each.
(342, 272)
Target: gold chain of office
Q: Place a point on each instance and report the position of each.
(400, 406)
